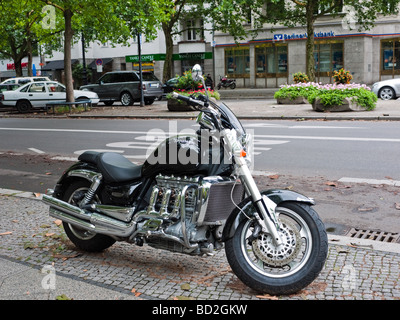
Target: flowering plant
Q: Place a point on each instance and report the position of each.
(300, 77)
(329, 94)
(342, 76)
(211, 93)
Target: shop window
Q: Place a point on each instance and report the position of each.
(390, 57)
(271, 60)
(329, 57)
(237, 62)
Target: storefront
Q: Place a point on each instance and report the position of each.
(271, 60)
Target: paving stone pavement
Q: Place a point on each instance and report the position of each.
(29, 237)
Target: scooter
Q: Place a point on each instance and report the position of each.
(195, 195)
(224, 82)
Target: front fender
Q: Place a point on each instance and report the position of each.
(276, 195)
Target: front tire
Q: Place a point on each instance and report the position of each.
(387, 93)
(84, 239)
(287, 269)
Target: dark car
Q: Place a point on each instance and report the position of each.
(170, 85)
(124, 86)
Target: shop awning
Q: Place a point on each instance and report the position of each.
(56, 65)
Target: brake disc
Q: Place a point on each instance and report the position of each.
(266, 250)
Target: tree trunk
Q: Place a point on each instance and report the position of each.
(167, 72)
(29, 50)
(68, 34)
(310, 61)
(18, 67)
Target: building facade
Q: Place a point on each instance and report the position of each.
(273, 58)
(268, 61)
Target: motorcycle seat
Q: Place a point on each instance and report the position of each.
(113, 166)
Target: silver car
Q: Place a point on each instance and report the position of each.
(387, 89)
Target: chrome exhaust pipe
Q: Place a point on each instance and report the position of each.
(91, 221)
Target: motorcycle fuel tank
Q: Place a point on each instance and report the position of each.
(187, 155)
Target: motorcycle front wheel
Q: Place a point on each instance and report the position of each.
(286, 269)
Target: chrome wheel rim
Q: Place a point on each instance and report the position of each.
(386, 94)
(265, 258)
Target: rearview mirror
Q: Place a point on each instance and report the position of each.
(197, 73)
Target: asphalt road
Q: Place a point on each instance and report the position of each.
(333, 149)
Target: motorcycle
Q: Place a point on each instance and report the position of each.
(224, 82)
(274, 240)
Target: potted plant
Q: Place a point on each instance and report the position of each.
(187, 86)
(295, 93)
(343, 97)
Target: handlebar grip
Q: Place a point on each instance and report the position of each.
(188, 100)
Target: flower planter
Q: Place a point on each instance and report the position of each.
(175, 105)
(347, 105)
(298, 100)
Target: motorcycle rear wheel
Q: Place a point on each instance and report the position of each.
(84, 239)
(289, 268)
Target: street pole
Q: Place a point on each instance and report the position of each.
(140, 68)
(84, 71)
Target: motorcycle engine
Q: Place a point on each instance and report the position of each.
(187, 214)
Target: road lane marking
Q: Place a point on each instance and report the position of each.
(394, 183)
(36, 150)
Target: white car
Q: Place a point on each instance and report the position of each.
(23, 80)
(38, 94)
(387, 89)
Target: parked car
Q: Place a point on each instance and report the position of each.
(23, 80)
(8, 87)
(170, 85)
(387, 89)
(124, 86)
(37, 94)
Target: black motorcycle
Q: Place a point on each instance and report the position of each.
(224, 82)
(195, 195)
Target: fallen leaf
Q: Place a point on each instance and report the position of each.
(48, 173)
(267, 296)
(185, 286)
(50, 234)
(397, 205)
(331, 183)
(58, 222)
(274, 176)
(6, 233)
(37, 195)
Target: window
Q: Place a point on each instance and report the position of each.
(194, 30)
(271, 60)
(390, 57)
(37, 87)
(328, 57)
(55, 87)
(237, 62)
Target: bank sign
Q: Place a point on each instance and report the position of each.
(299, 36)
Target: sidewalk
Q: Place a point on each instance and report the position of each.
(256, 108)
(252, 109)
(37, 262)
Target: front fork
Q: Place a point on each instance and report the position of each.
(266, 207)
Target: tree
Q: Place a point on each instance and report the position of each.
(18, 22)
(230, 15)
(98, 18)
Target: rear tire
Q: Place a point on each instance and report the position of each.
(126, 99)
(287, 269)
(84, 239)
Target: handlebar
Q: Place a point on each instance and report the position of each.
(188, 100)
